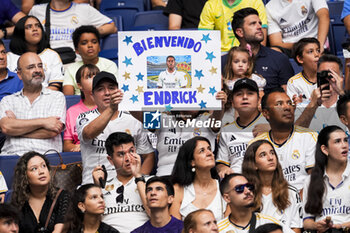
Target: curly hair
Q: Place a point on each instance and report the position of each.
(21, 186)
(75, 217)
(280, 196)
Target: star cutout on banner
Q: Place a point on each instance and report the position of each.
(168, 108)
(210, 56)
(205, 38)
(200, 89)
(213, 70)
(199, 74)
(125, 88)
(134, 98)
(126, 75)
(212, 90)
(139, 77)
(203, 104)
(128, 40)
(127, 61)
(139, 89)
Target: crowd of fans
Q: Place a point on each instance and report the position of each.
(277, 162)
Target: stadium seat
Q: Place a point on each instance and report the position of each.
(8, 196)
(148, 5)
(109, 47)
(295, 66)
(125, 8)
(150, 20)
(7, 167)
(118, 21)
(337, 32)
(7, 44)
(72, 100)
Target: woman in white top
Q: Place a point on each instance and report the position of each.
(326, 192)
(274, 197)
(29, 36)
(195, 180)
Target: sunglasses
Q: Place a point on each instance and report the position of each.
(240, 188)
(120, 197)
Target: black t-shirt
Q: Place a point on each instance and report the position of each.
(190, 10)
(28, 222)
(105, 228)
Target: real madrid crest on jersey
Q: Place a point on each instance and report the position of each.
(196, 132)
(296, 154)
(74, 20)
(303, 10)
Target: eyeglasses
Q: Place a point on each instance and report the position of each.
(240, 188)
(120, 197)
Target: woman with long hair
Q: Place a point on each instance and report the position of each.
(34, 193)
(274, 197)
(86, 211)
(326, 192)
(195, 180)
(29, 36)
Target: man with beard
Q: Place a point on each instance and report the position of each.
(34, 117)
(239, 195)
(272, 65)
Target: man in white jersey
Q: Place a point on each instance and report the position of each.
(295, 145)
(321, 111)
(171, 78)
(93, 127)
(124, 190)
(234, 137)
(239, 195)
(66, 16)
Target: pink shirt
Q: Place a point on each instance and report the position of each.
(72, 114)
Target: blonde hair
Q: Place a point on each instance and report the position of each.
(228, 71)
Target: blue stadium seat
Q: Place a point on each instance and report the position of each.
(125, 8)
(7, 44)
(151, 20)
(109, 48)
(118, 21)
(337, 32)
(295, 66)
(72, 100)
(68, 157)
(148, 5)
(8, 196)
(7, 167)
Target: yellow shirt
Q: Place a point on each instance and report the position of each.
(217, 15)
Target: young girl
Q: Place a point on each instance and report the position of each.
(240, 65)
(84, 77)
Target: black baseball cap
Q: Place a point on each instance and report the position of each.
(103, 75)
(245, 83)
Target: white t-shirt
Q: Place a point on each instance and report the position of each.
(336, 200)
(171, 139)
(103, 64)
(299, 85)
(52, 64)
(175, 79)
(226, 226)
(295, 20)
(295, 155)
(217, 206)
(292, 216)
(93, 152)
(234, 141)
(64, 22)
(124, 216)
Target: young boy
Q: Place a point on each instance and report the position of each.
(306, 53)
(86, 41)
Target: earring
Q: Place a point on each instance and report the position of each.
(193, 169)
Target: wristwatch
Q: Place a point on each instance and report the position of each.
(141, 178)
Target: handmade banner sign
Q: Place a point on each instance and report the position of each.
(169, 70)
